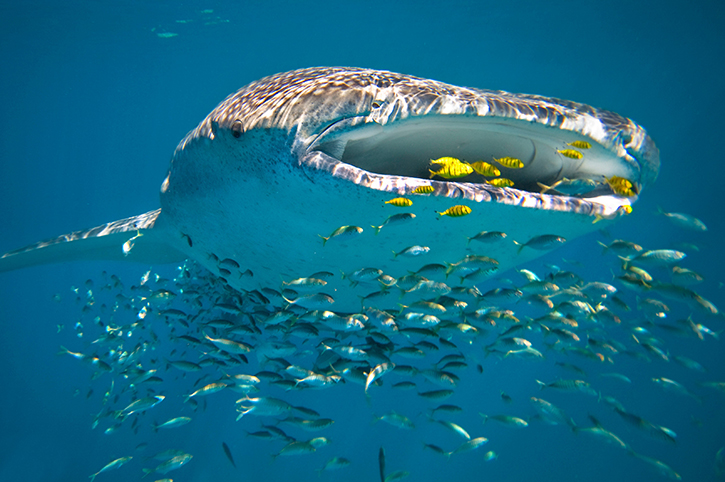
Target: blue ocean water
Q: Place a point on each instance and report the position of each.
(94, 101)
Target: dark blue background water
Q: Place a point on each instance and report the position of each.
(93, 102)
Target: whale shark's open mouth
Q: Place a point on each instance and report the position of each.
(554, 160)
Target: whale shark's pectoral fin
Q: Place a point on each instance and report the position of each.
(138, 239)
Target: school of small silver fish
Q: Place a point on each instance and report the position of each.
(268, 345)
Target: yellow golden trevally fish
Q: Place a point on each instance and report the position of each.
(501, 182)
(400, 202)
(621, 186)
(451, 169)
(485, 169)
(456, 211)
(580, 144)
(570, 153)
(510, 162)
(423, 190)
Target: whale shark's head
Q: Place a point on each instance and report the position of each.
(381, 130)
(281, 165)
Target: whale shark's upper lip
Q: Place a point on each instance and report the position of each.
(395, 156)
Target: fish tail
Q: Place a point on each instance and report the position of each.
(544, 187)
(395, 255)
(147, 472)
(485, 417)
(625, 263)
(606, 248)
(324, 239)
(542, 385)
(521, 246)
(377, 229)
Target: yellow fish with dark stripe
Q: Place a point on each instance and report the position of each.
(452, 169)
(580, 144)
(423, 190)
(570, 153)
(501, 182)
(510, 162)
(400, 202)
(485, 169)
(622, 187)
(456, 211)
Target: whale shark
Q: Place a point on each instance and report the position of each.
(289, 178)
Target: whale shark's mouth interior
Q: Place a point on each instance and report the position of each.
(405, 148)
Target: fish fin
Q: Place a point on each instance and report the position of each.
(520, 245)
(63, 350)
(151, 244)
(606, 248)
(544, 187)
(381, 463)
(595, 421)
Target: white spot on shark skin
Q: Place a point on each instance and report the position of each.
(296, 155)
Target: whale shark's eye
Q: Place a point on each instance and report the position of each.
(237, 129)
